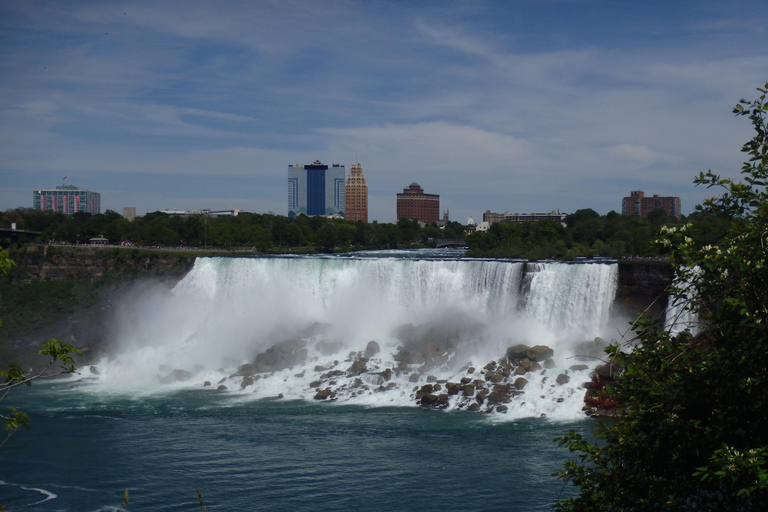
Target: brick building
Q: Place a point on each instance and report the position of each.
(356, 195)
(413, 203)
(638, 204)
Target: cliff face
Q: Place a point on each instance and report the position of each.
(643, 286)
(41, 262)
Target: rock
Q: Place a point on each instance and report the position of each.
(562, 379)
(372, 349)
(539, 353)
(579, 367)
(428, 400)
(221, 387)
(358, 366)
(471, 370)
(500, 394)
(549, 363)
(520, 383)
(473, 407)
(323, 394)
(247, 381)
(278, 357)
(94, 370)
(315, 384)
(206, 384)
(607, 371)
(501, 408)
(453, 389)
(414, 377)
(534, 367)
(520, 370)
(431, 378)
(466, 380)
(469, 390)
(517, 353)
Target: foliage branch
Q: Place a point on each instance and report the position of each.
(693, 429)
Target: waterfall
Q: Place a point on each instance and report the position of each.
(403, 321)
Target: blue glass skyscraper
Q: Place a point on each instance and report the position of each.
(316, 189)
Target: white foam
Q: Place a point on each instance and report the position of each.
(227, 310)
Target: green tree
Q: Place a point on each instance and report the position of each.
(693, 430)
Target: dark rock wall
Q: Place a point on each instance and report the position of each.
(643, 287)
(40, 262)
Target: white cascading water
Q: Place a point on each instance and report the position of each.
(679, 316)
(228, 310)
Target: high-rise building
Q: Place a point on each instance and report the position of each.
(638, 204)
(316, 189)
(356, 195)
(413, 203)
(67, 199)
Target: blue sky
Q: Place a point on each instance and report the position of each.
(520, 106)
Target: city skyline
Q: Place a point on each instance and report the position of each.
(528, 106)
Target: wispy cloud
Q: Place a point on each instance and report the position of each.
(492, 104)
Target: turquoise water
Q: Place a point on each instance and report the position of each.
(84, 450)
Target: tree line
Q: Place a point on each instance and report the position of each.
(262, 232)
(585, 233)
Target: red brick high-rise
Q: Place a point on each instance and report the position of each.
(413, 203)
(638, 204)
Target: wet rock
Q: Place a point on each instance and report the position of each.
(278, 357)
(607, 371)
(323, 394)
(520, 370)
(468, 390)
(431, 378)
(579, 367)
(562, 379)
(539, 353)
(473, 407)
(520, 383)
(549, 364)
(471, 370)
(358, 366)
(372, 349)
(206, 384)
(247, 381)
(501, 408)
(94, 370)
(453, 389)
(315, 384)
(221, 387)
(517, 352)
(466, 380)
(414, 377)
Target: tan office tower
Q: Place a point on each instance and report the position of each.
(356, 195)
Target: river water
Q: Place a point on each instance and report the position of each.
(171, 409)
